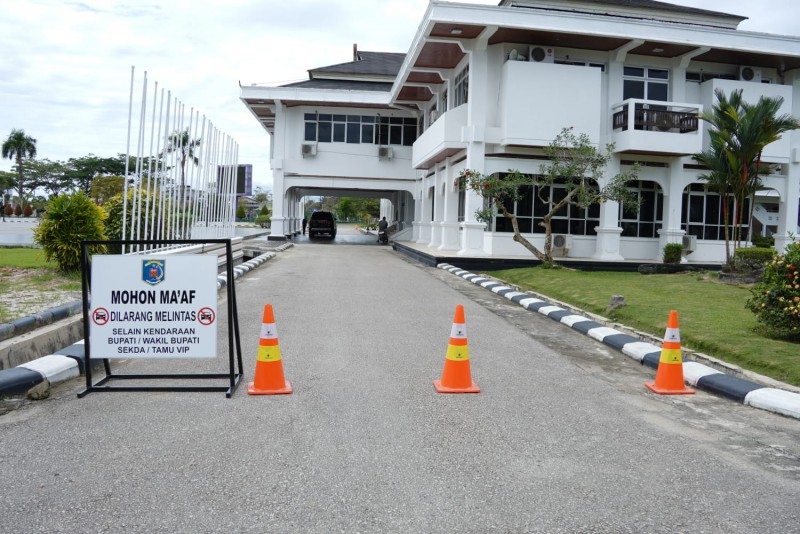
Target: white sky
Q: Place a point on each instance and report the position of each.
(65, 64)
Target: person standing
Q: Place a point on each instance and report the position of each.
(305, 223)
(382, 227)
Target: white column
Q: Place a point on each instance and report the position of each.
(449, 224)
(438, 210)
(474, 133)
(788, 210)
(278, 229)
(427, 207)
(419, 201)
(608, 232)
(278, 205)
(671, 231)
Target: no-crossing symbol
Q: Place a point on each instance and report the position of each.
(100, 316)
(206, 316)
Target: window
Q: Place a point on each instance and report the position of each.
(360, 129)
(530, 212)
(462, 87)
(646, 84)
(646, 221)
(462, 199)
(600, 66)
(704, 214)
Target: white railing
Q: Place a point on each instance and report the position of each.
(180, 173)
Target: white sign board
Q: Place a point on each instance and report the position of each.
(153, 306)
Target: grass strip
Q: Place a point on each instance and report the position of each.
(712, 316)
(24, 258)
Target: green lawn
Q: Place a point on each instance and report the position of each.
(712, 316)
(24, 258)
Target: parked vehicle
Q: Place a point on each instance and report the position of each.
(322, 222)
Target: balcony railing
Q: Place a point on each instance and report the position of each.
(650, 126)
(655, 116)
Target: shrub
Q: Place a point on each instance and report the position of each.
(763, 242)
(114, 206)
(673, 252)
(776, 300)
(69, 219)
(240, 213)
(8, 210)
(18, 210)
(263, 221)
(27, 211)
(748, 260)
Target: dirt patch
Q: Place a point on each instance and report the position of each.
(26, 292)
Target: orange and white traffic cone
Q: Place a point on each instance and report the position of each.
(269, 367)
(456, 376)
(669, 377)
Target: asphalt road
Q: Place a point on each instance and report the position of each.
(563, 437)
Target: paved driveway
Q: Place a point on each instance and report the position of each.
(563, 437)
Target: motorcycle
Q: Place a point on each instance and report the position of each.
(383, 237)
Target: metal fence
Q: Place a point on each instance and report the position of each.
(180, 172)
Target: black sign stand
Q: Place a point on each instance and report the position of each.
(234, 378)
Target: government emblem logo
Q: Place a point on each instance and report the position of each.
(153, 271)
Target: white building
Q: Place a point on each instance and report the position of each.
(487, 87)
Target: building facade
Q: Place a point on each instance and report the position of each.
(486, 88)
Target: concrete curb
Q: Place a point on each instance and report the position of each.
(695, 374)
(68, 362)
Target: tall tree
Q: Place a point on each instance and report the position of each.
(575, 164)
(186, 148)
(7, 181)
(718, 180)
(739, 133)
(82, 171)
(19, 146)
(48, 175)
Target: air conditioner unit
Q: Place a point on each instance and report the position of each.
(561, 244)
(385, 152)
(689, 243)
(542, 54)
(750, 74)
(309, 150)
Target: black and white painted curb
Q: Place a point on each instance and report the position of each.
(695, 374)
(68, 362)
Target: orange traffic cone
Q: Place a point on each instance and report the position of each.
(456, 377)
(269, 368)
(669, 377)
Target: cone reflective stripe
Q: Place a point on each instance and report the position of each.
(456, 375)
(669, 376)
(269, 350)
(269, 367)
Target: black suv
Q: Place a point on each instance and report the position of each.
(322, 222)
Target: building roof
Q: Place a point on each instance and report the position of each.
(372, 64)
(342, 84)
(628, 7)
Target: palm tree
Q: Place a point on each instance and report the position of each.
(759, 126)
(739, 133)
(718, 180)
(19, 146)
(182, 143)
